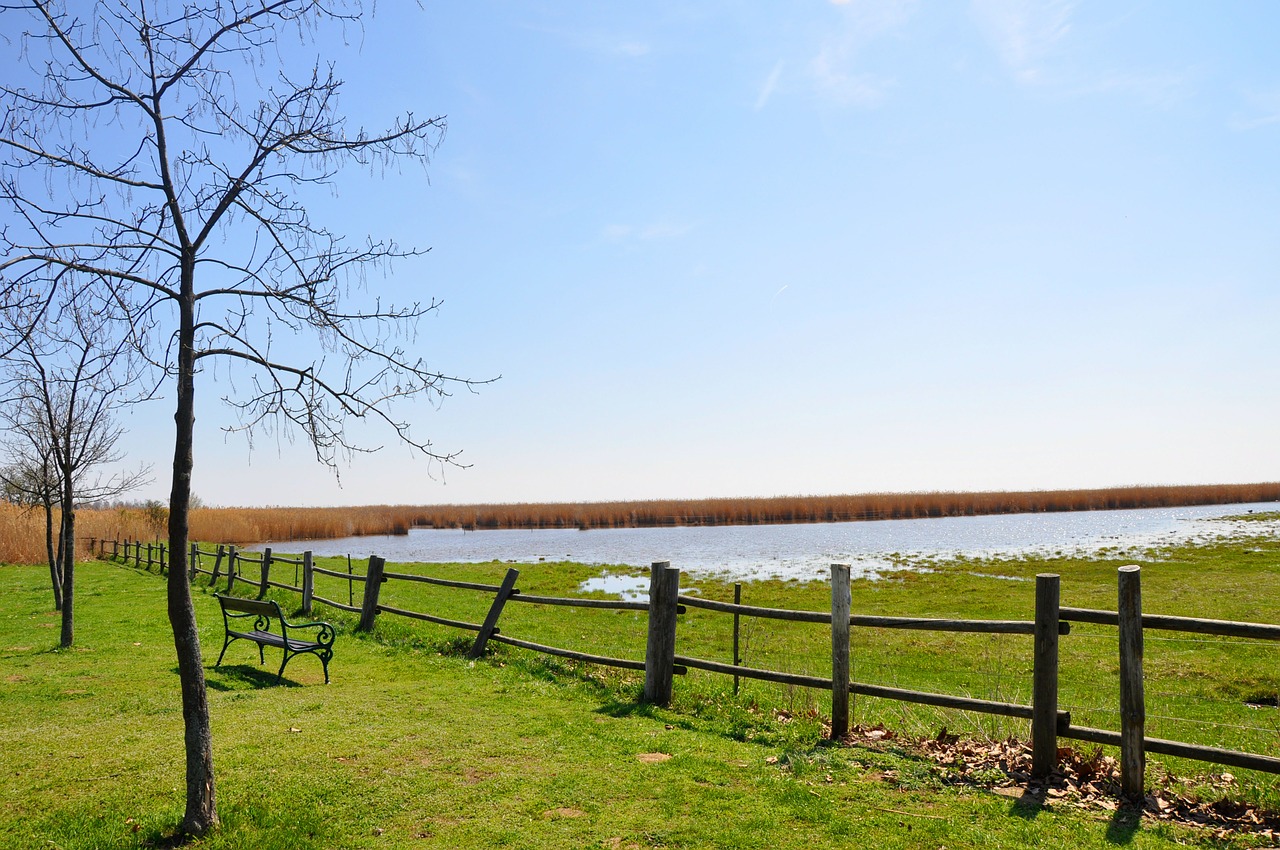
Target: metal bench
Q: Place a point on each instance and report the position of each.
(236, 614)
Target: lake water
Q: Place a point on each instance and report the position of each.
(806, 551)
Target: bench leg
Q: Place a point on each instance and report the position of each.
(225, 643)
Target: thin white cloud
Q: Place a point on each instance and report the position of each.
(868, 19)
(597, 41)
(1024, 32)
(1156, 88)
(834, 83)
(664, 230)
(1261, 109)
(770, 86)
(644, 232)
(633, 49)
(834, 71)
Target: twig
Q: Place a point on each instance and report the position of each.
(908, 814)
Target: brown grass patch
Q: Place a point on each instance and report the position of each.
(653, 758)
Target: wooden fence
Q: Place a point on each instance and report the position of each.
(662, 662)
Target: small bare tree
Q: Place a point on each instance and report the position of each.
(68, 372)
(163, 152)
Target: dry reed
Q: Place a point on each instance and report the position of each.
(256, 525)
(22, 530)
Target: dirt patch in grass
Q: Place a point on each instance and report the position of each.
(653, 758)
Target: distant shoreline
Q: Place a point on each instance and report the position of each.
(252, 525)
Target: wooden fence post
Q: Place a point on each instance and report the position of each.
(660, 649)
(266, 571)
(1044, 677)
(841, 603)
(115, 550)
(150, 557)
(163, 563)
(1133, 712)
(737, 657)
(231, 566)
(217, 564)
(372, 586)
(495, 611)
(308, 582)
(193, 563)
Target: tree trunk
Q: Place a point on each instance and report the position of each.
(201, 808)
(55, 562)
(68, 547)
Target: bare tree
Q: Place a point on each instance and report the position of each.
(165, 152)
(68, 372)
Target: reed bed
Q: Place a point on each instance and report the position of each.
(845, 508)
(22, 530)
(258, 525)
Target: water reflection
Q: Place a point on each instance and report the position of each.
(628, 587)
(806, 551)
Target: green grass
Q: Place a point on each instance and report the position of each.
(1198, 687)
(415, 746)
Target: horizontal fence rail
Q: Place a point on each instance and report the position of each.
(661, 662)
(444, 582)
(429, 618)
(1192, 625)
(570, 602)
(1196, 752)
(345, 576)
(569, 653)
(353, 609)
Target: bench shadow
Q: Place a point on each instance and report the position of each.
(239, 677)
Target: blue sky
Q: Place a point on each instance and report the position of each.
(749, 249)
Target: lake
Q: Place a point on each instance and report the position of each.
(806, 551)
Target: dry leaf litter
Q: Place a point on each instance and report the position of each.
(1085, 779)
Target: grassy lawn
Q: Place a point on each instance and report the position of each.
(415, 746)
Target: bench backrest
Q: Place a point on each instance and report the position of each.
(261, 607)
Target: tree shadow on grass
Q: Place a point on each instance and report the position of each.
(163, 840)
(621, 707)
(1124, 823)
(1029, 805)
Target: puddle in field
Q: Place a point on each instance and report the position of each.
(625, 586)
